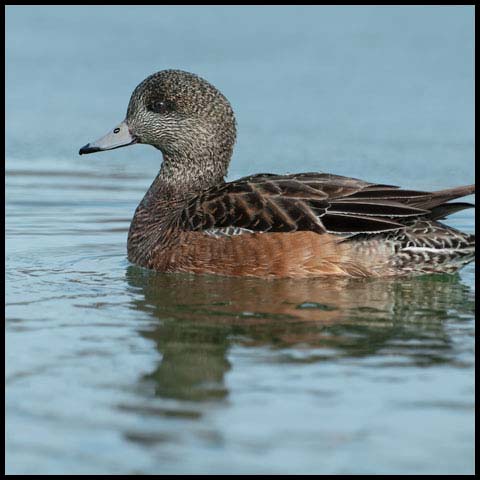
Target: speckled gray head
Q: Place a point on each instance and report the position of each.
(179, 113)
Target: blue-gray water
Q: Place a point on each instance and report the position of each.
(114, 369)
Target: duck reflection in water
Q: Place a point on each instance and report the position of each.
(200, 318)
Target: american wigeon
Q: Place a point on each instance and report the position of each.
(298, 225)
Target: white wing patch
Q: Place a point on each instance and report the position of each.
(226, 231)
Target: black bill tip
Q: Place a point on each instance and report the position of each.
(88, 149)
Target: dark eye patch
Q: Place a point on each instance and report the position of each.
(160, 106)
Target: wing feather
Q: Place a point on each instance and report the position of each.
(316, 202)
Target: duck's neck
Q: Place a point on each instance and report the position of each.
(185, 175)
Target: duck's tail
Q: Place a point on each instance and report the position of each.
(436, 202)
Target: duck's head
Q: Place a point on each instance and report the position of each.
(179, 113)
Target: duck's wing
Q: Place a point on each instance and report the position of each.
(310, 201)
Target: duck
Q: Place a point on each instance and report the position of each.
(296, 225)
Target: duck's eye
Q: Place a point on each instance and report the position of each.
(116, 130)
(159, 106)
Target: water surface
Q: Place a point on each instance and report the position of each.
(111, 368)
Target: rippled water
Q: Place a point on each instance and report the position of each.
(111, 368)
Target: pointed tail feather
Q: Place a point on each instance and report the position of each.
(455, 192)
(442, 211)
(440, 197)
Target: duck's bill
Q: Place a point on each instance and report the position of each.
(119, 137)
